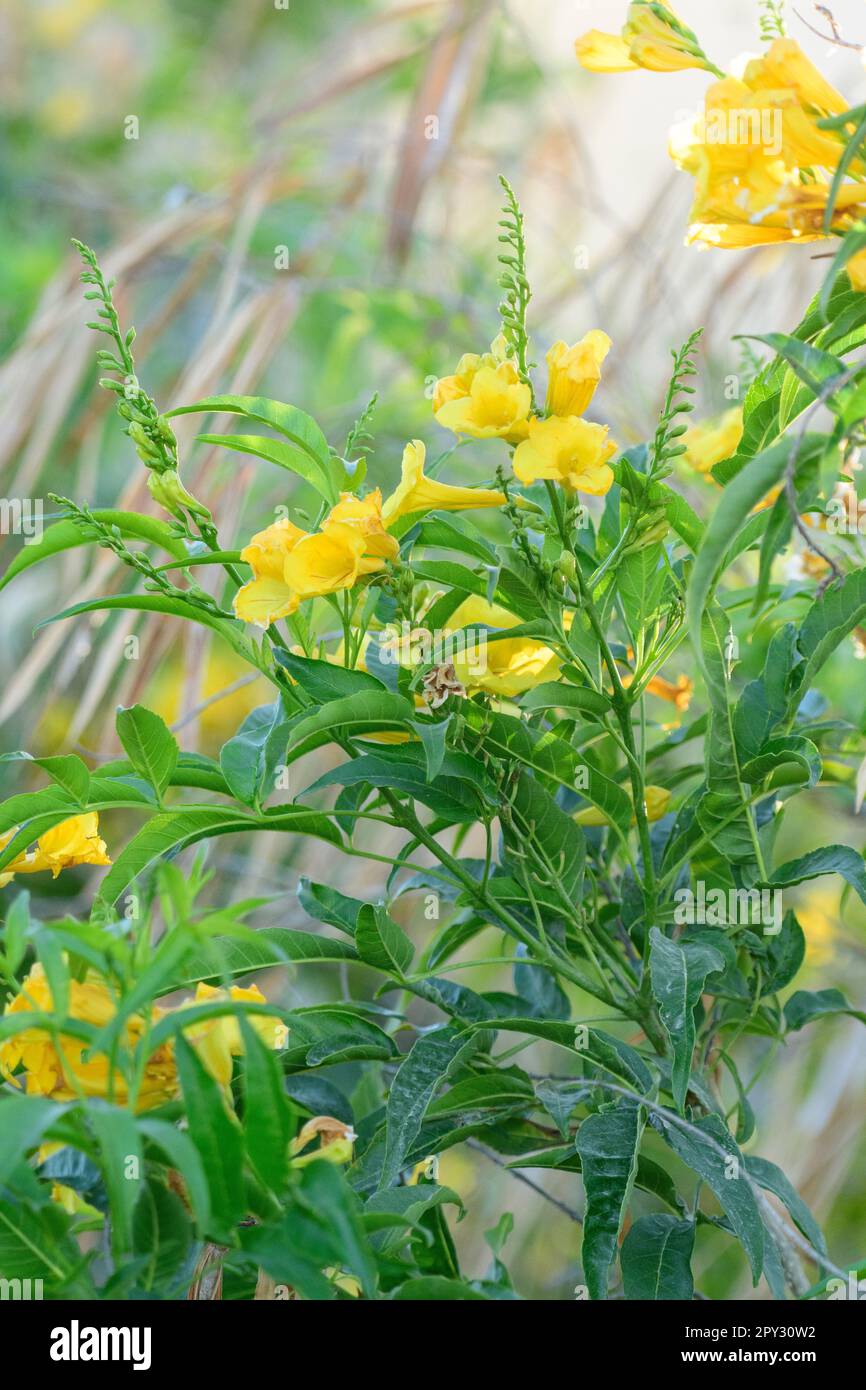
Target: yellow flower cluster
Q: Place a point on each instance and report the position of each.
(486, 399)
(763, 166)
(290, 565)
(73, 841)
(60, 1065)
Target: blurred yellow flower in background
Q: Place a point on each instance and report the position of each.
(710, 441)
(57, 1067)
(218, 1040)
(762, 165)
(73, 841)
(570, 451)
(652, 38)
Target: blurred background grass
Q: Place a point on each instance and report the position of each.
(282, 225)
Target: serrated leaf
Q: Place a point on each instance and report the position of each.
(149, 744)
(679, 973)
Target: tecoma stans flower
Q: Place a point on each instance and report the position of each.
(763, 166)
(267, 596)
(652, 37)
(290, 565)
(416, 493)
(710, 441)
(574, 373)
(73, 841)
(218, 1040)
(507, 667)
(485, 398)
(58, 1065)
(569, 451)
(365, 513)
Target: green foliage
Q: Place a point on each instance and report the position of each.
(299, 1142)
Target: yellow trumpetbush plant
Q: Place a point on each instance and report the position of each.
(218, 1040)
(73, 841)
(652, 38)
(509, 666)
(417, 493)
(710, 441)
(570, 451)
(56, 1065)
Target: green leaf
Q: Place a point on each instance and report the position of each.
(215, 1133)
(277, 451)
(324, 681)
(268, 1119)
(381, 943)
(814, 367)
(834, 615)
(326, 904)
(435, 1288)
(607, 1143)
(367, 711)
(723, 811)
(297, 427)
(806, 1005)
(249, 759)
(553, 695)
(224, 957)
(831, 859)
(679, 973)
(66, 770)
(162, 1235)
(182, 1154)
(326, 1194)
(771, 1177)
(534, 811)
(65, 535)
(36, 1245)
(709, 1150)
(422, 1071)
(600, 1049)
(656, 1259)
(150, 746)
(117, 1137)
(171, 831)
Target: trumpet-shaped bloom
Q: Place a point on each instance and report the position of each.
(290, 565)
(73, 841)
(485, 399)
(56, 1066)
(652, 38)
(218, 1040)
(417, 493)
(574, 373)
(569, 451)
(267, 596)
(507, 667)
(365, 514)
